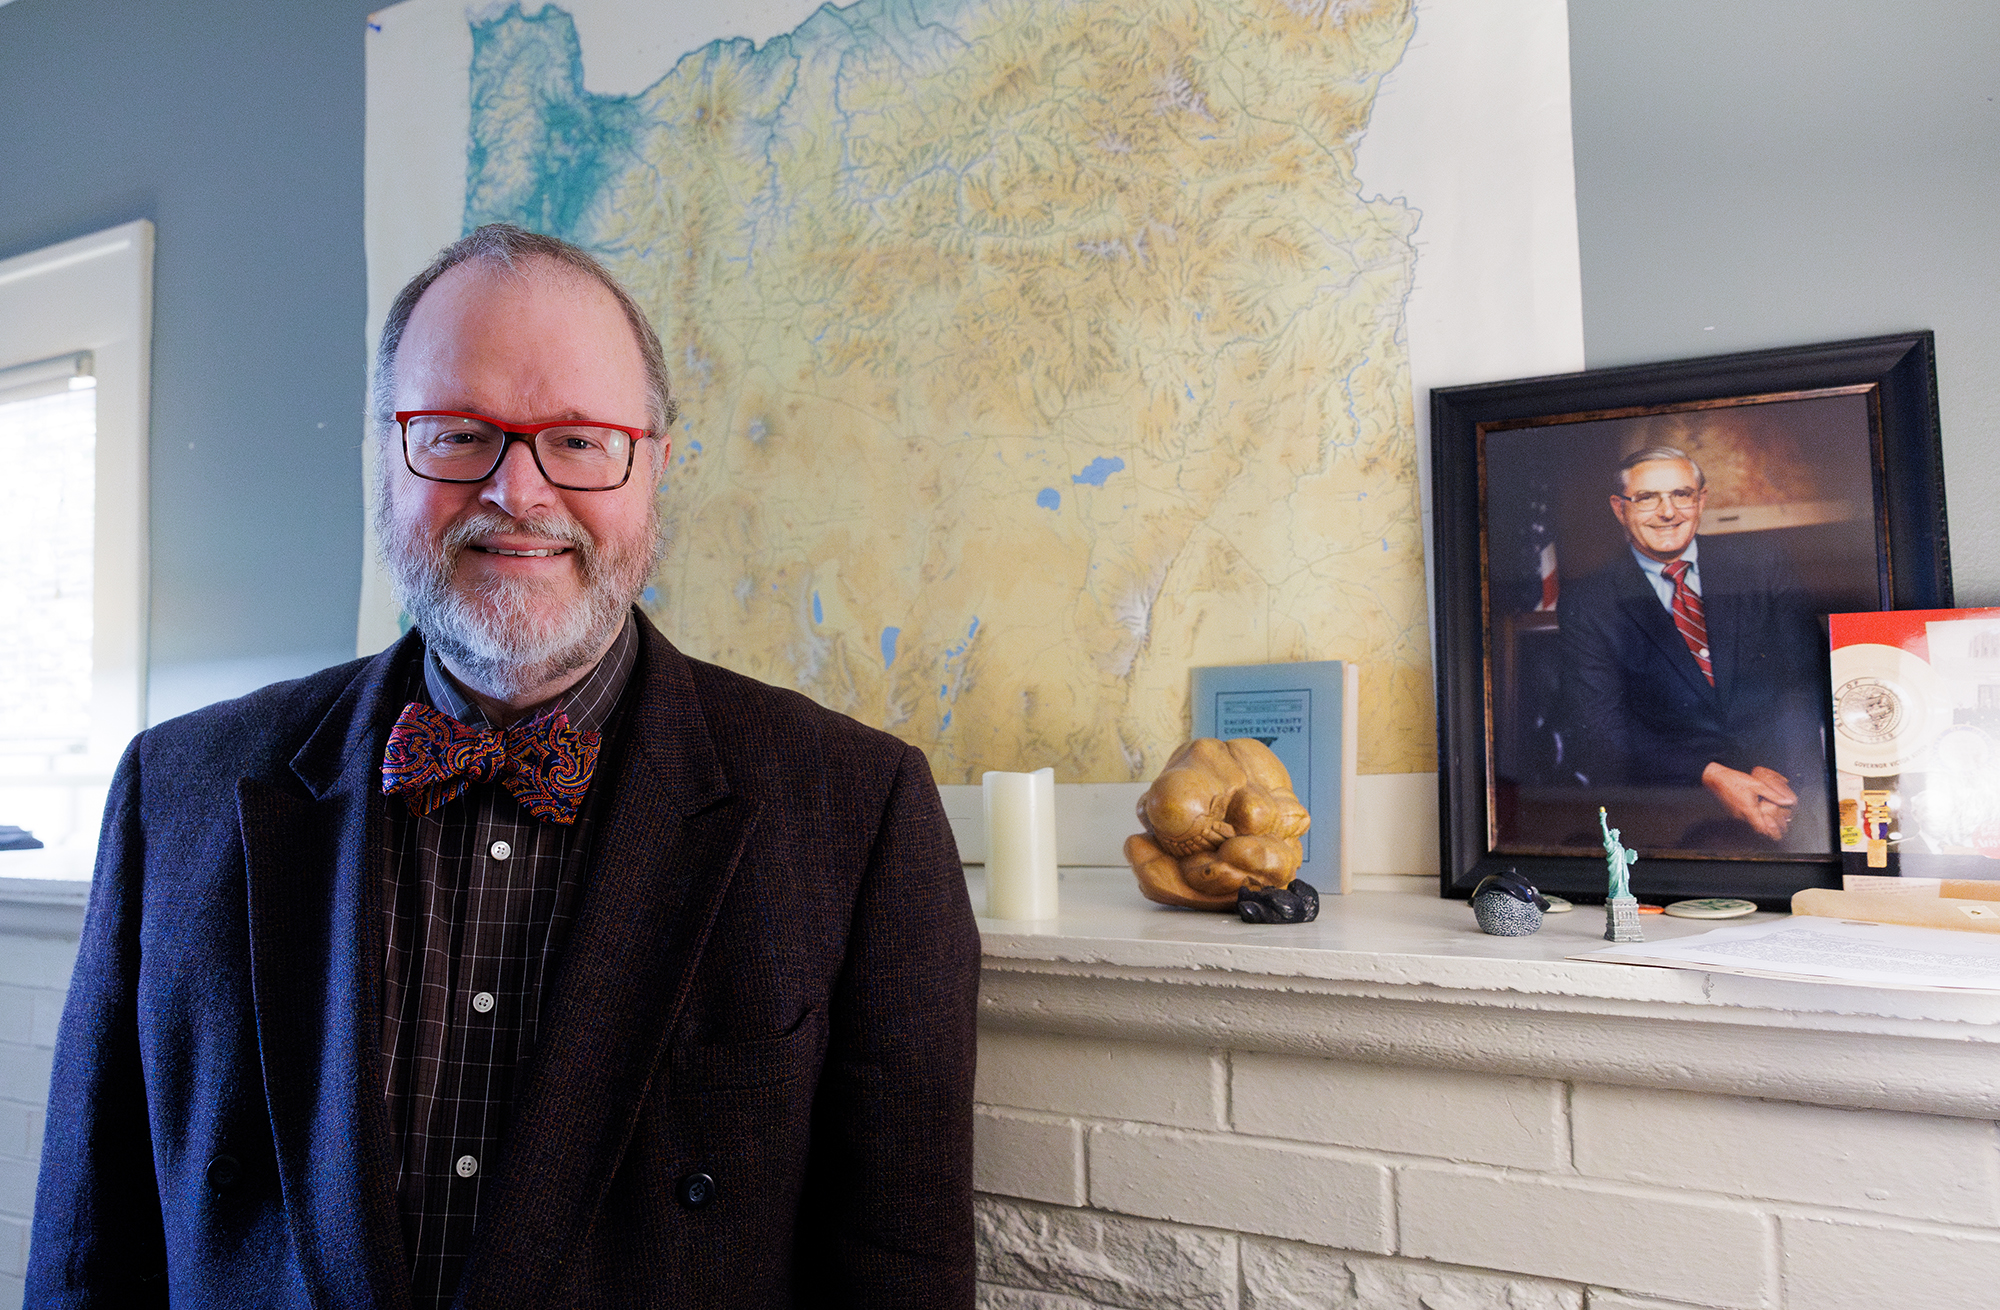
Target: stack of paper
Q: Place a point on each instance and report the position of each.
(1830, 950)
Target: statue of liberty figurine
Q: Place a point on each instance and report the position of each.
(1621, 911)
(1619, 858)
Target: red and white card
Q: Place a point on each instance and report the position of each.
(1916, 741)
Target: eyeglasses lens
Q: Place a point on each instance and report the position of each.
(1650, 500)
(580, 456)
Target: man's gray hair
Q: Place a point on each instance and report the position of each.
(1652, 455)
(512, 247)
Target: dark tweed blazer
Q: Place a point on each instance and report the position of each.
(770, 981)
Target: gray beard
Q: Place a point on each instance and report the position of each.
(493, 634)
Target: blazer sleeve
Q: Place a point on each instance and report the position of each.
(98, 1238)
(1593, 689)
(886, 1215)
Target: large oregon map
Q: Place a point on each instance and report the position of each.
(1031, 353)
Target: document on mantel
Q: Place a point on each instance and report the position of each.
(1829, 950)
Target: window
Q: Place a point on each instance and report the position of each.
(75, 326)
(48, 445)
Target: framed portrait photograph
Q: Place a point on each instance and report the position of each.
(1633, 569)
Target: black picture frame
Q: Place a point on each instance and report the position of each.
(1482, 436)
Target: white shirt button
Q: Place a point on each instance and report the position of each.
(1704, 652)
(500, 850)
(467, 1166)
(482, 1001)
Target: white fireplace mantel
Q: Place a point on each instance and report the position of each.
(1404, 978)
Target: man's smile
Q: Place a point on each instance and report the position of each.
(515, 545)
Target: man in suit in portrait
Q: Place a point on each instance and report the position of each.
(1688, 665)
(530, 962)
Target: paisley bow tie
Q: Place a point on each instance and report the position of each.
(545, 763)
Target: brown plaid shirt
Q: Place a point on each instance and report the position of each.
(477, 898)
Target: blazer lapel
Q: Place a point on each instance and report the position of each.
(312, 846)
(665, 854)
(1641, 607)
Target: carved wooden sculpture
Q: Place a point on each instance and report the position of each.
(1220, 817)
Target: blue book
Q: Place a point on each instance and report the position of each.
(1308, 715)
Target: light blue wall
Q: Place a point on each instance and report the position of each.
(1754, 173)
(235, 126)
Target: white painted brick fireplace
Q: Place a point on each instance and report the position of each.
(1387, 1111)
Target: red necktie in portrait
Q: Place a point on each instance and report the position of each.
(545, 764)
(1687, 616)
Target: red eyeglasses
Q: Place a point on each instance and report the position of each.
(449, 446)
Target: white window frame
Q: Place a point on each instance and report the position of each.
(95, 294)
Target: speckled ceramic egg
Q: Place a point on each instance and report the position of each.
(1507, 905)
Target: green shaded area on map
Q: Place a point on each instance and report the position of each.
(1030, 354)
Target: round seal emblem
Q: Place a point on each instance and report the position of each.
(1870, 710)
(1887, 709)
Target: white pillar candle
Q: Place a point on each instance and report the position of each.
(1020, 844)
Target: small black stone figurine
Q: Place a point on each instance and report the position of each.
(1297, 903)
(1507, 905)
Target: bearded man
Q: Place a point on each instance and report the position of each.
(530, 962)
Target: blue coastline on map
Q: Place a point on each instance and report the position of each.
(542, 149)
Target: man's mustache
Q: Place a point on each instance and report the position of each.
(484, 523)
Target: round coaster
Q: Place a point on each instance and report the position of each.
(1712, 908)
(1557, 905)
